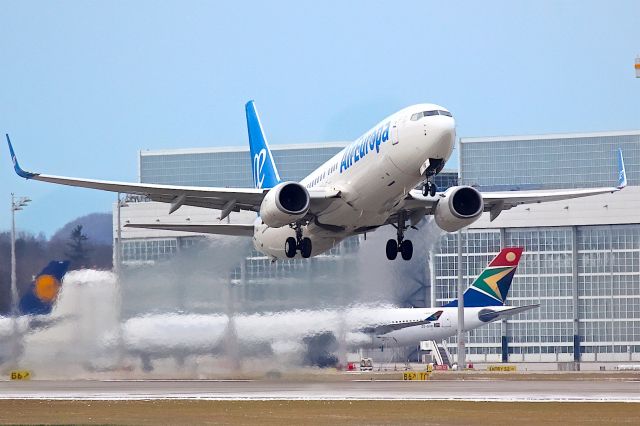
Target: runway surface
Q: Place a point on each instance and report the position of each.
(461, 390)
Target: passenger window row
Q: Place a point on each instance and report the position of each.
(324, 174)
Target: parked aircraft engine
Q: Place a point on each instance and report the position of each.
(460, 206)
(284, 204)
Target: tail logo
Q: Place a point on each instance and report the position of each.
(258, 165)
(46, 288)
(495, 280)
(491, 281)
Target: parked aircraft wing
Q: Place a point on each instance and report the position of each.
(214, 228)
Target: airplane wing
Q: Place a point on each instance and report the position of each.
(225, 199)
(388, 328)
(418, 205)
(217, 228)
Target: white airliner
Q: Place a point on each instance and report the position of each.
(180, 335)
(370, 183)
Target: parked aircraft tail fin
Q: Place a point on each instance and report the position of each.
(43, 293)
(492, 285)
(265, 173)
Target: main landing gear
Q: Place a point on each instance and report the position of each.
(292, 245)
(405, 247)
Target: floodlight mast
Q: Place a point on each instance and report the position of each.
(17, 203)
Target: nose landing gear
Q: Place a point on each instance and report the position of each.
(431, 167)
(429, 188)
(405, 247)
(292, 245)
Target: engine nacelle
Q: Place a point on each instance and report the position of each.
(460, 206)
(284, 204)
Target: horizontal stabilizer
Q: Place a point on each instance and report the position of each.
(489, 315)
(214, 228)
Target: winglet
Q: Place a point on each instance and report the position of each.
(16, 166)
(434, 317)
(622, 173)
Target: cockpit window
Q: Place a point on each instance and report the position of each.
(418, 115)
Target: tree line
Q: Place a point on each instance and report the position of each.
(33, 252)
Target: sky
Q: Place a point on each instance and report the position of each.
(85, 85)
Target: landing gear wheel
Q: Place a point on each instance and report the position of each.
(429, 188)
(305, 248)
(406, 249)
(290, 247)
(392, 249)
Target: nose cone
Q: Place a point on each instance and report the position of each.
(430, 137)
(444, 134)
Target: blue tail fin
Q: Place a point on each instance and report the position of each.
(493, 284)
(265, 173)
(42, 294)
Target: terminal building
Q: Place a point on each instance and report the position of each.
(581, 260)
(582, 257)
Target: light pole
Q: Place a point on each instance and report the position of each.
(17, 203)
(117, 249)
(461, 335)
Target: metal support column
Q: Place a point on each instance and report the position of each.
(432, 273)
(504, 330)
(574, 293)
(461, 333)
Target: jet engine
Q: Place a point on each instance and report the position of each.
(460, 206)
(284, 204)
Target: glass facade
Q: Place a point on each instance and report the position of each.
(585, 278)
(606, 264)
(547, 162)
(229, 166)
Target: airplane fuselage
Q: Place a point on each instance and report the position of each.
(160, 336)
(373, 175)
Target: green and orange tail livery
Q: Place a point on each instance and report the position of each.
(492, 285)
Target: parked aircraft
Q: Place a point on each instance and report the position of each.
(368, 184)
(181, 335)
